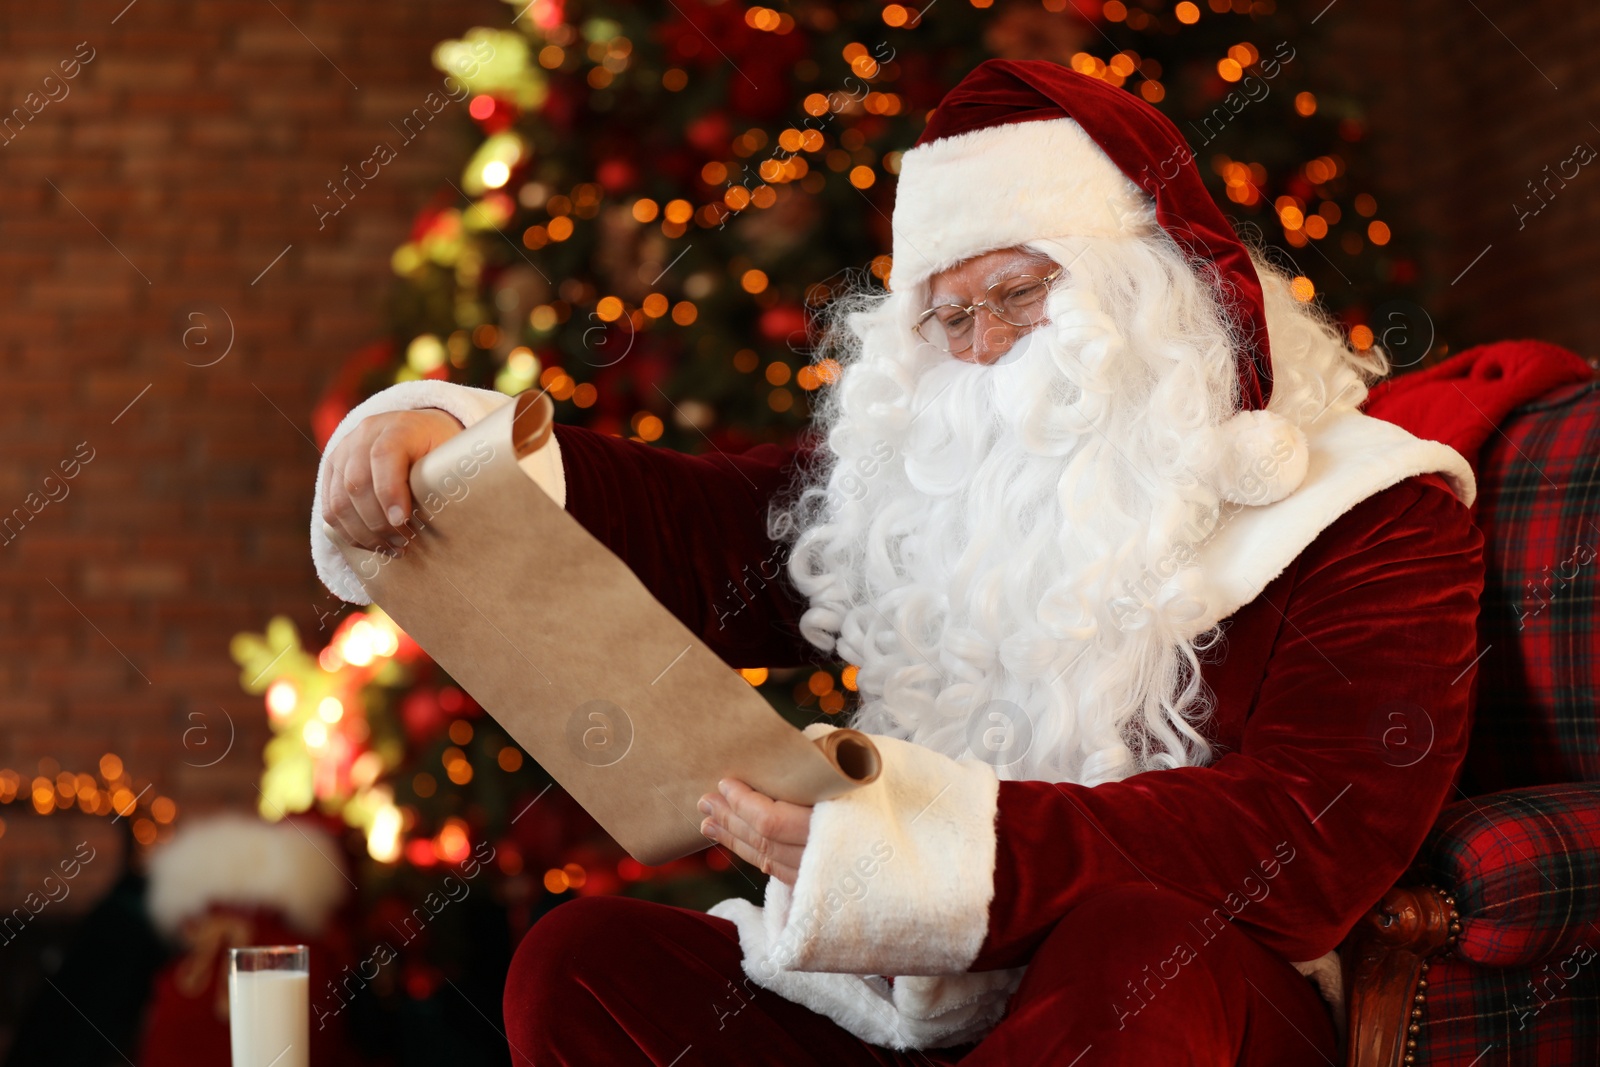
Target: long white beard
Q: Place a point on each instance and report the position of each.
(983, 535)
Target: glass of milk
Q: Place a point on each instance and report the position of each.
(269, 1006)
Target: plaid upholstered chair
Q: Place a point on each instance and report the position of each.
(1488, 952)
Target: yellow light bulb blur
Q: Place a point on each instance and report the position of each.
(383, 836)
(281, 701)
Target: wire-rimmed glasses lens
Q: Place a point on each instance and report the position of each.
(1017, 301)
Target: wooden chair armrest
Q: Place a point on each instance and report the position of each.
(1385, 964)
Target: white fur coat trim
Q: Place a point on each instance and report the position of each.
(916, 1012)
(469, 405)
(1351, 457)
(896, 878)
(239, 859)
(1003, 186)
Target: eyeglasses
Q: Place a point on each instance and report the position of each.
(1017, 301)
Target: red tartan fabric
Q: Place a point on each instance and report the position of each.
(1541, 1016)
(1539, 509)
(1524, 867)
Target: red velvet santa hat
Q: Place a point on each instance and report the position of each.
(1027, 149)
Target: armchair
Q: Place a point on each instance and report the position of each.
(1488, 952)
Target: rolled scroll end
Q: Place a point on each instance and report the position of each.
(532, 422)
(853, 753)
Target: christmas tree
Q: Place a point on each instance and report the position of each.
(661, 199)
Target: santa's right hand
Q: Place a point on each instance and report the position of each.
(367, 489)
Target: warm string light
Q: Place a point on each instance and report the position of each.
(113, 794)
(1243, 181)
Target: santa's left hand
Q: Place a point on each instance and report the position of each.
(768, 833)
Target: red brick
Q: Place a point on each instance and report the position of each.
(187, 230)
(135, 579)
(114, 134)
(186, 40)
(155, 102)
(222, 132)
(146, 69)
(31, 710)
(84, 293)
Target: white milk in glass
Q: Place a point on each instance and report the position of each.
(270, 1018)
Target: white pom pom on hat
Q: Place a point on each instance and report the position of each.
(1264, 458)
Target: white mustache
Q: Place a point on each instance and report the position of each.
(1025, 399)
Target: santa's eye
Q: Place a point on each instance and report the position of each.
(956, 323)
(1023, 294)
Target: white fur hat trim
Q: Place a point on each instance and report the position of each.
(1003, 186)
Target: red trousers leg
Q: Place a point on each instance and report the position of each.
(1146, 977)
(623, 982)
(1135, 976)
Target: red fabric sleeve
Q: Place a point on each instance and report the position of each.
(694, 531)
(1357, 731)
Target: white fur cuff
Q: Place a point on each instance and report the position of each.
(896, 879)
(469, 405)
(896, 876)
(915, 1012)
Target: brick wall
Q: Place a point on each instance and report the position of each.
(1467, 103)
(169, 171)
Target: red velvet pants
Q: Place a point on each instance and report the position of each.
(1127, 977)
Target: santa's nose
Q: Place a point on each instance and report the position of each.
(991, 341)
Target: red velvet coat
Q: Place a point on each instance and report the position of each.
(1343, 697)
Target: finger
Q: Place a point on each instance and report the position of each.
(392, 455)
(340, 510)
(786, 853)
(784, 868)
(373, 527)
(775, 819)
(777, 852)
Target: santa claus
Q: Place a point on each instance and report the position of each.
(1168, 649)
